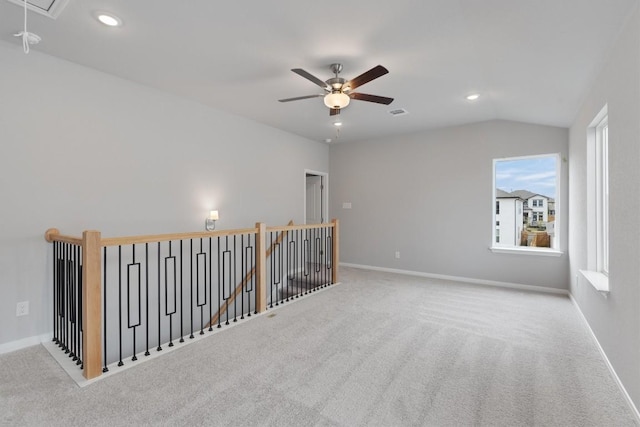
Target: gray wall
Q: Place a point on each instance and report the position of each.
(615, 319)
(85, 150)
(429, 196)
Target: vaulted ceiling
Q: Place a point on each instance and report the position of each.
(530, 60)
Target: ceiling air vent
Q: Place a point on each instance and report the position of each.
(398, 112)
(50, 8)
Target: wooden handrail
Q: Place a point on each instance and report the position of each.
(244, 281)
(298, 227)
(53, 235)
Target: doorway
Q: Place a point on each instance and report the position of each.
(315, 196)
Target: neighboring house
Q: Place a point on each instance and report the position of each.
(537, 207)
(509, 218)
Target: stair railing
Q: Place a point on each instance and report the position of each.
(126, 295)
(242, 286)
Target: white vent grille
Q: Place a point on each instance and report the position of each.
(398, 112)
(50, 8)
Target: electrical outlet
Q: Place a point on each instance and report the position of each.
(22, 308)
(397, 254)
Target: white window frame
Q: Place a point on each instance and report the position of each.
(602, 196)
(597, 271)
(528, 250)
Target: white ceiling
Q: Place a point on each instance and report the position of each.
(531, 60)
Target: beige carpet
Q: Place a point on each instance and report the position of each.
(377, 350)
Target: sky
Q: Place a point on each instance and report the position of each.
(537, 174)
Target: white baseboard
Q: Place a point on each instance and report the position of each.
(462, 279)
(608, 363)
(24, 343)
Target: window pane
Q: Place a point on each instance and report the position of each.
(525, 197)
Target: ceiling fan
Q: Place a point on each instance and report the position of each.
(338, 91)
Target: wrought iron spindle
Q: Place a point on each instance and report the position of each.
(146, 293)
(235, 278)
(104, 309)
(159, 348)
(120, 362)
(181, 297)
(170, 266)
(219, 283)
(243, 274)
(201, 279)
(226, 277)
(210, 288)
(135, 268)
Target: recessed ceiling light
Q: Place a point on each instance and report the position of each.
(337, 123)
(473, 97)
(109, 20)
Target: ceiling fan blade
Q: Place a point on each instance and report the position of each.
(334, 111)
(311, 78)
(366, 77)
(371, 98)
(300, 97)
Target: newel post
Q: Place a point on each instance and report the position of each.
(261, 268)
(335, 250)
(91, 304)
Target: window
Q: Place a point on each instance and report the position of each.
(602, 195)
(597, 271)
(518, 180)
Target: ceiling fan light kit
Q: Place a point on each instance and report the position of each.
(337, 90)
(336, 100)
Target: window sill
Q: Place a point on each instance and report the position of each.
(527, 251)
(598, 280)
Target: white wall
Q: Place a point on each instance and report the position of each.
(615, 319)
(429, 196)
(85, 150)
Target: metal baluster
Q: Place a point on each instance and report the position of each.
(54, 292)
(146, 269)
(210, 288)
(204, 283)
(298, 266)
(191, 284)
(78, 304)
(134, 358)
(120, 362)
(181, 298)
(255, 291)
(166, 292)
(159, 348)
(273, 257)
(224, 275)
(235, 279)
(67, 309)
(219, 284)
(104, 309)
(288, 266)
(243, 274)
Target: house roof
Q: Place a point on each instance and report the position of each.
(526, 194)
(501, 194)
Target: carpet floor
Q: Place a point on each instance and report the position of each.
(378, 349)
